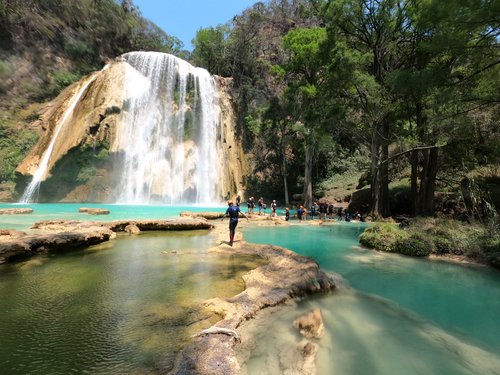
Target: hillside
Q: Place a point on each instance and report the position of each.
(47, 45)
(403, 115)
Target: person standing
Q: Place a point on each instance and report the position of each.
(299, 213)
(261, 205)
(233, 212)
(251, 205)
(287, 214)
(238, 200)
(273, 208)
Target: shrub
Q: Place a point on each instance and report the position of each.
(414, 245)
(442, 244)
(382, 236)
(491, 249)
(63, 79)
(5, 73)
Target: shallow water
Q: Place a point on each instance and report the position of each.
(69, 211)
(121, 307)
(402, 316)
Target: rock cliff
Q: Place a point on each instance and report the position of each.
(82, 164)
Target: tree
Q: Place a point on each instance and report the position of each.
(374, 29)
(306, 70)
(210, 49)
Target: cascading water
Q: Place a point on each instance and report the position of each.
(167, 139)
(41, 171)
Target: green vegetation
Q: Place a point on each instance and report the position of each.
(15, 144)
(46, 45)
(392, 104)
(437, 236)
(411, 87)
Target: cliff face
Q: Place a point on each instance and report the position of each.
(234, 162)
(82, 164)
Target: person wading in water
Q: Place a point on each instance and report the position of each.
(233, 213)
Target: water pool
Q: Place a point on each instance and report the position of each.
(401, 315)
(69, 211)
(121, 307)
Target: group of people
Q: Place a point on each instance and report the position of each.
(321, 209)
(327, 211)
(261, 206)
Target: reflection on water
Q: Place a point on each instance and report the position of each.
(406, 316)
(125, 306)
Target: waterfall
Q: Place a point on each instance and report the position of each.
(167, 139)
(41, 171)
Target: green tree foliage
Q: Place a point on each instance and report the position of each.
(15, 143)
(307, 74)
(210, 49)
(85, 32)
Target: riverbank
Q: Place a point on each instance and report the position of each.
(286, 277)
(437, 239)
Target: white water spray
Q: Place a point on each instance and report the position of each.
(168, 136)
(41, 171)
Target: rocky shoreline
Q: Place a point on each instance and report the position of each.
(63, 235)
(286, 277)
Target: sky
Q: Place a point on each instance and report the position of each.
(183, 18)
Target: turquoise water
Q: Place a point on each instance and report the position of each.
(69, 211)
(447, 315)
(126, 306)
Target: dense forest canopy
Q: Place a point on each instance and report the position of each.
(332, 97)
(413, 86)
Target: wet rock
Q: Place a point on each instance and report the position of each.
(206, 215)
(300, 360)
(7, 234)
(132, 229)
(70, 234)
(94, 211)
(311, 325)
(16, 211)
(30, 245)
(287, 276)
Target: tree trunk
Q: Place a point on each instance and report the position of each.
(422, 196)
(384, 205)
(429, 183)
(375, 181)
(414, 183)
(307, 192)
(284, 172)
(283, 161)
(380, 171)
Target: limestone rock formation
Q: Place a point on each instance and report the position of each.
(94, 211)
(68, 234)
(16, 211)
(311, 325)
(82, 164)
(299, 360)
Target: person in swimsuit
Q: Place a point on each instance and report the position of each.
(233, 212)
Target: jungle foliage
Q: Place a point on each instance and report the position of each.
(46, 45)
(412, 86)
